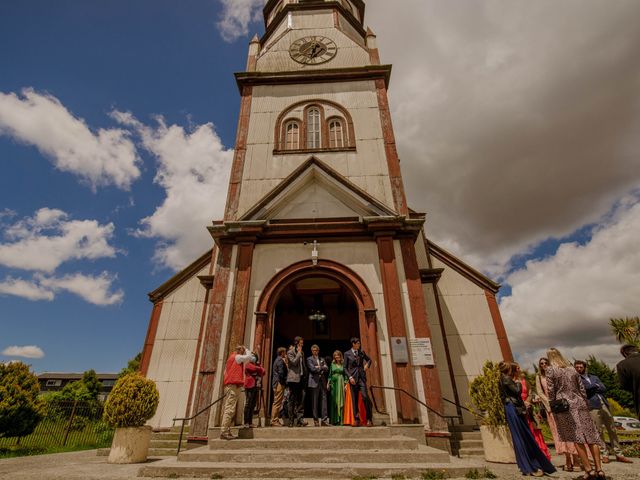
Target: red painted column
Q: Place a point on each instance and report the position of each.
(498, 324)
(430, 376)
(241, 294)
(150, 338)
(237, 168)
(393, 161)
(402, 375)
(211, 347)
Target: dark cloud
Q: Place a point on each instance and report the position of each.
(515, 120)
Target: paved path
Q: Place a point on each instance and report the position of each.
(88, 466)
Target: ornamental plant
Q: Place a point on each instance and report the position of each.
(133, 400)
(485, 396)
(21, 409)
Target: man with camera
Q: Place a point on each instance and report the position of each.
(295, 382)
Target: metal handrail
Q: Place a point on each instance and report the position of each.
(457, 405)
(448, 418)
(416, 399)
(185, 419)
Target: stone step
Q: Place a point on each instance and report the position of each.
(166, 444)
(308, 432)
(167, 436)
(423, 454)
(471, 443)
(466, 452)
(397, 442)
(172, 468)
(163, 452)
(470, 435)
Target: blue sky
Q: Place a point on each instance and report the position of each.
(117, 121)
(146, 57)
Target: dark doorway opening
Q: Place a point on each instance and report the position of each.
(333, 312)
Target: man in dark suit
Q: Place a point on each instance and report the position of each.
(629, 373)
(317, 368)
(356, 364)
(295, 381)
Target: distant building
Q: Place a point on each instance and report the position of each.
(55, 381)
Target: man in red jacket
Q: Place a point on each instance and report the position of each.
(233, 383)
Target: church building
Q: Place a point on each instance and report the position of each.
(319, 240)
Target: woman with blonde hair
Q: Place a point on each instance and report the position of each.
(336, 388)
(568, 402)
(531, 460)
(542, 390)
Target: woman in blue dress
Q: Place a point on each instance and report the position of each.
(530, 459)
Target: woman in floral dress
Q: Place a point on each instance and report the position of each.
(566, 448)
(574, 425)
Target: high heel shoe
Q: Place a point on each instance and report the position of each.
(600, 475)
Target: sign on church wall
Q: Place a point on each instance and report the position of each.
(421, 351)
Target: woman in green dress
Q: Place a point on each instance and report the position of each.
(336, 388)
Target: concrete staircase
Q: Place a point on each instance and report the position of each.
(165, 443)
(313, 452)
(470, 444)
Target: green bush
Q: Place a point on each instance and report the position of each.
(20, 407)
(132, 402)
(485, 396)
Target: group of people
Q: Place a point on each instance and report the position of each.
(337, 388)
(574, 404)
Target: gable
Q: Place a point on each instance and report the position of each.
(313, 191)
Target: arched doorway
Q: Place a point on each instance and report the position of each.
(321, 311)
(295, 292)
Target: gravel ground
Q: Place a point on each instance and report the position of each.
(88, 466)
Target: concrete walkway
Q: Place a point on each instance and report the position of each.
(88, 466)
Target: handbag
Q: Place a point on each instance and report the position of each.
(559, 406)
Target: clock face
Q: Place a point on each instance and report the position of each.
(313, 50)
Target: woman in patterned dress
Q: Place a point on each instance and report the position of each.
(574, 425)
(566, 448)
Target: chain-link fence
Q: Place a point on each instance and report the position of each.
(68, 424)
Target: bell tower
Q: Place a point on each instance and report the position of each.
(317, 240)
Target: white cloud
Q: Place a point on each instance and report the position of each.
(96, 290)
(516, 121)
(22, 288)
(567, 299)
(27, 351)
(101, 158)
(236, 16)
(49, 238)
(193, 169)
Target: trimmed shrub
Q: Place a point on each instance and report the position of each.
(485, 396)
(133, 400)
(20, 407)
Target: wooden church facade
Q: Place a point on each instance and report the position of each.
(317, 221)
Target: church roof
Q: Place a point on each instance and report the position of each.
(181, 277)
(462, 268)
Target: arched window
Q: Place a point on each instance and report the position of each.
(336, 134)
(292, 136)
(314, 136)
